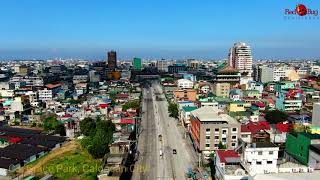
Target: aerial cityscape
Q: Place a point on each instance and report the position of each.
(159, 90)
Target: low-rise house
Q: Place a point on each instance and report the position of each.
(252, 94)
(236, 94)
(185, 115)
(255, 132)
(236, 106)
(279, 133)
(261, 158)
(185, 95)
(185, 84)
(228, 166)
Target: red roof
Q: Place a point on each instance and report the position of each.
(270, 100)
(67, 116)
(103, 105)
(12, 139)
(122, 95)
(127, 121)
(255, 127)
(259, 104)
(283, 127)
(223, 154)
(52, 86)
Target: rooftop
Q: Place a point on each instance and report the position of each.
(228, 156)
(189, 108)
(262, 145)
(211, 114)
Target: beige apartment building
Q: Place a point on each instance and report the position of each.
(221, 89)
(209, 126)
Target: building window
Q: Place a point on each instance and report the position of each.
(216, 129)
(216, 137)
(270, 152)
(224, 131)
(224, 139)
(269, 162)
(207, 130)
(259, 152)
(259, 162)
(207, 145)
(207, 137)
(233, 144)
(234, 129)
(234, 137)
(216, 145)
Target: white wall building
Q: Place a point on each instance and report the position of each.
(185, 84)
(261, 158)
(45, 95)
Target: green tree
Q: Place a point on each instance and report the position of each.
(97, 142)
(50, 123)
(99, 145)
(59, 129)
(276, 116)
(88, 126)
(173, 110)
(131, 104)
(221, 146)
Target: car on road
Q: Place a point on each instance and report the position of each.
(174, 151)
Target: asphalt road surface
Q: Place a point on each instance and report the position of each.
(155, 121)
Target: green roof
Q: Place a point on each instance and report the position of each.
(189, 108)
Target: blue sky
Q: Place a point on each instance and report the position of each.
(154, 28)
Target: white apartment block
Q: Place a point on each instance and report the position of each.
(240, 58)
(261, 158)
(281, 72)
(45, 95)
(29, 80)
(185, 84)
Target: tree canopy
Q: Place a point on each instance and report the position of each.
(99, 135)
(173, 110)
(131, 104)
(88, 126)
(276, 116)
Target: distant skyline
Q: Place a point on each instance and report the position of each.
(37, 29)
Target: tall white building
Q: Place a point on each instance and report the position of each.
(240, 58)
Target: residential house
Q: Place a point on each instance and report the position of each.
(185, 115)
(185, 95)
(228, 166)
(185, 84)
(261, 158)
